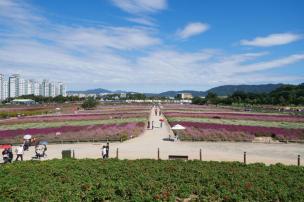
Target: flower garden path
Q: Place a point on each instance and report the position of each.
(146, 146)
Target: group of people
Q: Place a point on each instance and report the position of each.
(105, 151)
(8, 154)
(157, 112)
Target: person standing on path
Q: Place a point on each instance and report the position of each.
(107, 149)
(104, 152)
(19, 152)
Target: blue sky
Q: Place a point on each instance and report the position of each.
(153, 46)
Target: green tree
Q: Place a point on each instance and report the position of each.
(89, 103)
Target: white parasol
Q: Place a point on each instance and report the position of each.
(27, 137)
(178, 127)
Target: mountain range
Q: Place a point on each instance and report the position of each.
(220, 90)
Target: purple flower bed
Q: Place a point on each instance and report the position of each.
(63, 129)
(72, 133)
(259, 117)
(198, 130)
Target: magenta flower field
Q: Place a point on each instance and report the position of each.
(125, 122)
(207, 131)
(77, 133)
(237, 130)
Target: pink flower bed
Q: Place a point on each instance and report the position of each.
(259, 117)
(202, 131)
(73, 133)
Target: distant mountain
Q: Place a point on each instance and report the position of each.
(230, 89)
(220, 90)
(92, 91)
(224, 90)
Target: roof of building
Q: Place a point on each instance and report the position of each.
(23, 100)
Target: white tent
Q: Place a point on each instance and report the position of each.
(178, 127)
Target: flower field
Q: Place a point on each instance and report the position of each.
(93, 125)
(214, 125)
(149, 180)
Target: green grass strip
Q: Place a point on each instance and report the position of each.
(276, 124)
(70, 123)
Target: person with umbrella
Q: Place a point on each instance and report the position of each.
(27, 141)
(7, 153)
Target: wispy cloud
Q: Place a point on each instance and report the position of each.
(192, 29)
(141, 9)
(141, 6)
(272, 40)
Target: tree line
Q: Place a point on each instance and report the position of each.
(284, 95)
(41, 99)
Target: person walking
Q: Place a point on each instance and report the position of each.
(10, 155)
(107, 149)
(19, 152)
(104, 152)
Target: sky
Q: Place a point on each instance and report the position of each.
(153, 45)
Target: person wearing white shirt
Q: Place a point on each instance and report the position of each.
(19, 152)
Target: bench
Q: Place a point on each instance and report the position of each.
(178, 157)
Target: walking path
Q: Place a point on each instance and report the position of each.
(146, 146)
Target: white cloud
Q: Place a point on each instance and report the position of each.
(143, 21)
(141, 6)
(192, 29)
(121, 57)
(272, 40)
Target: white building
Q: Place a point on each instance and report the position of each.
(22, 87)
(52, 90)
(16, 86)
(37, 88)
(13, 85)
(1, 87)
(62, 89)
(5, 90)
(45, 87)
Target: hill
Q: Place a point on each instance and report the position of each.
(220, 90)
(230, 89)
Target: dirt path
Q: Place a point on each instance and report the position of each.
(147, 144)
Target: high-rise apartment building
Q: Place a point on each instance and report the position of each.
(45, 87)
(5, 90)
(1, 87)
(13, 85)
(62, 89)
(17, 86)
(52, 90)
(37, 88)
(22, 87)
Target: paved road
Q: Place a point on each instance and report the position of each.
(147, 144)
